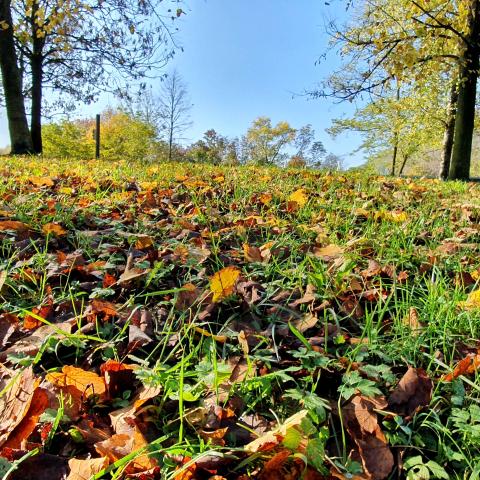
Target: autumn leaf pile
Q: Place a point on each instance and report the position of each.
(194, 322)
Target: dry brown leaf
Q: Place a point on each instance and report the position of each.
(132, 274)
(87, 468)
(328, 253)
(362, 425)
(252, 254)
(412, 320)
(270, 440)
(143, 242)
(19, 388)
(305, 323)
(412, 392)
(23, 430)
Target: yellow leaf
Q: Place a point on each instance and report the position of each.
(299, 197)
(472, 302)
(53, 228)
(223, 282)
(41, 181)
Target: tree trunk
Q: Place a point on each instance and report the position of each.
(170, 143)
(20, 139)
(36, 65)
(36, 109)
(405, 159)
(449, 131)
(396, 139)
(467, 90)
(395, 154)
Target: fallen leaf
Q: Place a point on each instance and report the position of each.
(412, 392)
(271, 439)
(222, 284)
(362, 425)
(328, 253)
(19, 388)
(299, 197)
(467, 366)
(87, 468)
(13, 225)
(39, 403)
(412, 321)
(89, 383)
(472, 302)
(53, 228)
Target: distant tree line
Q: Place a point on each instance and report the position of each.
(130, 136)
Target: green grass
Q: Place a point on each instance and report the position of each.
(197, 351)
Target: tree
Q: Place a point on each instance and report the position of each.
(406, 40)
(332, 162)
(213, 148)
(309, 151)
(174, 110)
(20, 138)
(123, 137)
(267, 143)
(79, 48)
(401, 124)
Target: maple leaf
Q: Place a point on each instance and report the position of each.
(299, 197)
(222, 284)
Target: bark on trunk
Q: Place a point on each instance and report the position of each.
(36, 108)
(395, 154)
(405, 159)
(36, 65)
(467, 90)
(449, 131)
(396, 139)
(20, 139)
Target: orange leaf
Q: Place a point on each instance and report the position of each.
(222, 284)
(38, 405)
(53, 228)
(87, 382)
(13, 225)
(467, 366)
(16, 400)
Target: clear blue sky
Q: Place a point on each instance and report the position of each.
(246, 58)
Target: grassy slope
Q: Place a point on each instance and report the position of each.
(390, 300)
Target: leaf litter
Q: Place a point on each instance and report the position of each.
(199, 326)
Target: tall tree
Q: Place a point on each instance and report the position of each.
(79, 48)
(405, 40)
(467, 93)
(174, 111)
(268, 142)
(20, 139)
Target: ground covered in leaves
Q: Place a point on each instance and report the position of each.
(190, 322)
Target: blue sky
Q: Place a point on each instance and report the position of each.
(246, 58)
